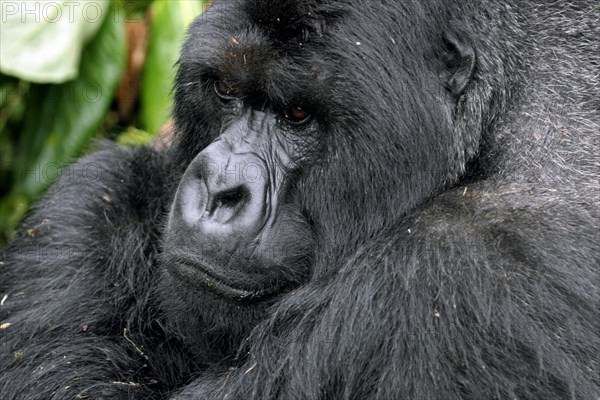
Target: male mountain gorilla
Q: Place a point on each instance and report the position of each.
(364, 200)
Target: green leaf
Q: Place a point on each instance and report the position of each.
(170, 18)
(12, 210)
(134, 137)
(61, 119)
(42, 41)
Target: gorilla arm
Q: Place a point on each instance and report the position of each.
(476, 285)
(78, 278)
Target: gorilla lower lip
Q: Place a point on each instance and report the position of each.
(202, 276)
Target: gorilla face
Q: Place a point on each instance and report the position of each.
(238, 233)
(275, 120)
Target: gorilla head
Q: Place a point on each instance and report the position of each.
(297, 137)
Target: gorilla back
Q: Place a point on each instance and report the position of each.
(364, 200)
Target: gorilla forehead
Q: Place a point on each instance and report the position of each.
(287, 26)
(290, 20)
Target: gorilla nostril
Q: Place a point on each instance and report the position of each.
(231, 198)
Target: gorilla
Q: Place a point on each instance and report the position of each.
(363, 200)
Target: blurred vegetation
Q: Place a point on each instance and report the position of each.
(73, 72)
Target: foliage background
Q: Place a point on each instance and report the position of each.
(73, 72)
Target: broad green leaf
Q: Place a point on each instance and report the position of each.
(42, 41)
(61, 119)
(170, 18)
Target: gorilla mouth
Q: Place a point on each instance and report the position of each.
(203, 274)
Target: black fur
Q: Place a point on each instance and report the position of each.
(454, 211)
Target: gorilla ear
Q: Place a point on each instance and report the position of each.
(459, 57)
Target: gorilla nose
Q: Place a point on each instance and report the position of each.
(224, 193)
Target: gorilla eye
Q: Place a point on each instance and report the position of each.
(224, 90)
(296, 115)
